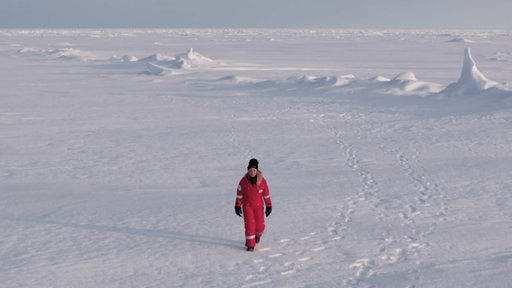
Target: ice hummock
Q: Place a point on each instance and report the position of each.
(471, 80)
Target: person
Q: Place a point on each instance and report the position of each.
(252, 195)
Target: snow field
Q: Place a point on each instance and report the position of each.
(386, 152)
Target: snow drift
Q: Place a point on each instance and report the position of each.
(470, 82)
(190, 59)
(158, 64)
(66, 53)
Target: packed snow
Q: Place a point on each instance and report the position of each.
(387, 154)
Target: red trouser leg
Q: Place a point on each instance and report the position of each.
(254, 219)
(259, 217)
(250, 226)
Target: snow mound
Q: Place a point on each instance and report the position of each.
(123, 59)
(406, 84)
(155, 69)
(237, 79)
(471, 80)
(190, 59)
(66, 53)
(128, 58)
(460, 40)
(345, 80)
(379, 79)
(157, 58)
(310, 81)
(405, 76)
(27, 50)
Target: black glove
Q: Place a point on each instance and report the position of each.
(238, 211)
(268, 210)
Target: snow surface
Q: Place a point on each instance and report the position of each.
(119, 162)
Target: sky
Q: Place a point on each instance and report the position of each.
(392, 14)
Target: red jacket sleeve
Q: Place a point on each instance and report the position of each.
(266, 194)
(239, 195)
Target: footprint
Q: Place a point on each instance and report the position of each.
(363, 268)
(257, 283)
(304, 259)
(397, 255)
(318, 248)
(288, 272)
(275, 255)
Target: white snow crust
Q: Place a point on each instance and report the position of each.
(119, 163)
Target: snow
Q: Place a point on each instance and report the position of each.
(385, 170)
(471, 80)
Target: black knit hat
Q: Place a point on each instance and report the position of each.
(253, 163)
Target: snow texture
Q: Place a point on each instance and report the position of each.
(119, 163)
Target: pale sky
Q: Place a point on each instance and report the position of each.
(397, 14)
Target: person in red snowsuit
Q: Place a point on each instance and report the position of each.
(252, 196)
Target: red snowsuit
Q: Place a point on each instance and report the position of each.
(253, 199)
